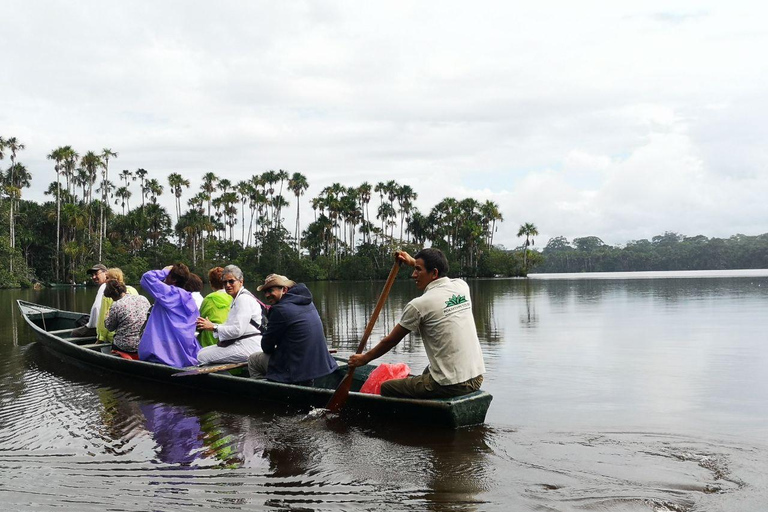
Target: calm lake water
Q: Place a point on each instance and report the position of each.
(620, 392)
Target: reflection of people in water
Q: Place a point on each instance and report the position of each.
(177, 433)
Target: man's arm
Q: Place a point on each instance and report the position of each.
(385, 345)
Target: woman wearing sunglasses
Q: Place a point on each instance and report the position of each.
(240, 335)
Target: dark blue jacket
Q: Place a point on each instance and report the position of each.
(294, 339)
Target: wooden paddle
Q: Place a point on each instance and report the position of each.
(339, 398)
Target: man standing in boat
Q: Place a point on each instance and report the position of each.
(443, 317)
(294, 347)
(98, 275)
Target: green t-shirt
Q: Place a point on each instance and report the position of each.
(215, 307)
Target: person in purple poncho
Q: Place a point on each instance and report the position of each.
(169, 337)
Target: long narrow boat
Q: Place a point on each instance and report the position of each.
(53, 327)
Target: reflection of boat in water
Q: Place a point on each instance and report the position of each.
(53, 325)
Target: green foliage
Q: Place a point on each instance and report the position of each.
(670, 251)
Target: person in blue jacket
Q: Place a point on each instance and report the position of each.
(294, 347)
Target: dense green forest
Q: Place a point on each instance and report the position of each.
(670, 251)
(98, 214)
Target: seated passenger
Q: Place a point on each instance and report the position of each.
(98, 275)
(126, 316)
(294, 347)
(169, 337)
(102, 332)
(195, 286)
(215, 305)
(240, 335)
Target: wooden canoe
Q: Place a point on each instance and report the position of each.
(52, 327)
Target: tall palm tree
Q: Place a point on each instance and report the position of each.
(154, 189)
(123, 196)
(527, 230)
(177, 183)
(106, 154)
(244, 190)
(13, 145)
(209, 187)
(71, 157)
(364, 194)
(298, 185)
(491, 213)
(142, 175)
(59, 156)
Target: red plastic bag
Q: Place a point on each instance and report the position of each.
(384, 373)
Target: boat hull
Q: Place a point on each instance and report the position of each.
(48, 323)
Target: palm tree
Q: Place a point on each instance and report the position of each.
(58, 155)
(177, 183)
(142, 175)
(491, 213)
(126, 176)
(364, 194)
(106, 154)
(244, 191)
(123, 196)
(405, 196)
(13, 145)
(298, 185)
(209, 187)
(71, 158)
(527, 230)
(154, 189)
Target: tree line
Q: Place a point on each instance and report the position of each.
(669, 251)
(98, 214)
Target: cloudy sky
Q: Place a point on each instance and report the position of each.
(616, 119)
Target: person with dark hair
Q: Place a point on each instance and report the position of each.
(195, 286)
(169, 337)
(126, 316)
(102, 332)
(443, 317)
(215, 306)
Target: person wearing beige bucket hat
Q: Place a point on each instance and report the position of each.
(294, 348)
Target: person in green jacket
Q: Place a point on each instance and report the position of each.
(215, 306)
(102, 333)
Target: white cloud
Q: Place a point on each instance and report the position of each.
(587, 119)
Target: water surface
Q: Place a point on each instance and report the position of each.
(627, 393)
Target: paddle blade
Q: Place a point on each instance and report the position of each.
(339, 398)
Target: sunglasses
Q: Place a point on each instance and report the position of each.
(230, 281)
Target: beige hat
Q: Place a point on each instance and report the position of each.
(275, 280)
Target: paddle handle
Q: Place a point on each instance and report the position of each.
(379, 305)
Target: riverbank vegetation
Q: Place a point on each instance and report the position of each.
(98, 214)
(670, 251)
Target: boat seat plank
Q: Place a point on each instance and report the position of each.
(61, 331)
(82, 341)
(101, 346)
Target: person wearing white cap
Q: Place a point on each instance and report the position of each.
(98, 275)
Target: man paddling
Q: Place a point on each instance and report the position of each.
(98, 275)
(443, 317)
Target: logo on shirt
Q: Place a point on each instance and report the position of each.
(455, 304)
(455, 300)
